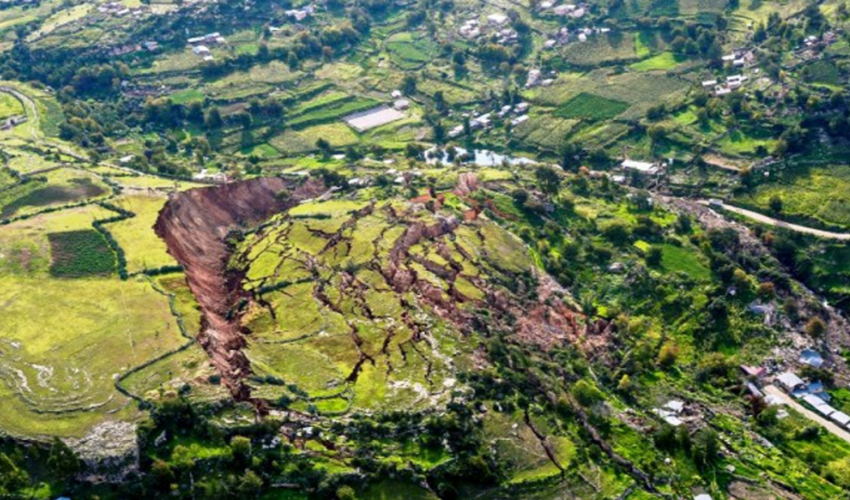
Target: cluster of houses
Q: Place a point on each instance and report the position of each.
(740, 58)
(200, 45)
(535, 78)
(473, 29)
(671, 412)
(730, 84)
(563, 10)
(122, 50)
(564, 36)
(813, 45)
(300, 14)
(812, 393)
(120, 10)
(485, 121)
(399, 102)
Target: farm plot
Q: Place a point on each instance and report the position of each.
(57, 187)
(302, 141)
(410, 51)
(80, 253)
(328, 108)
(823, 72)
(545, 131)
(640, 90)
(142, 247)
(817, 192)
(57, 369)
(24, 245)
(10, 106)
(591, 107)
(747, 142)
(601, 49)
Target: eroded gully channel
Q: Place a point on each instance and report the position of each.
(195, 225)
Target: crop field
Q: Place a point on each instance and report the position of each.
(10, 106)
(601, 48)
(318, 112)
(817, 192)
(62, 18)
(80, 253)
(591, 107)
(410, 51)
(142, 248)
(187, 96)
(740, 142)
(545, 131)
(640, 90)
(664, 61)
(57, 369)
(823, 72)
(24, 247)
(172, 63)
(60, 187)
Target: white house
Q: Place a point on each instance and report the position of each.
(790, 381)
(497, 19)
(640, 166)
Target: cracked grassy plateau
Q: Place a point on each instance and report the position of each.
(328, 306)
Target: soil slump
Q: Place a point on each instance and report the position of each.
(195, 225)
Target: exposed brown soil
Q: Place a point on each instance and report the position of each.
(194, 225)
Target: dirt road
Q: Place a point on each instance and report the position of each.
(764, 219)
(814, 417)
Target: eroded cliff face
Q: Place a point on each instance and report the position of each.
(194, 225)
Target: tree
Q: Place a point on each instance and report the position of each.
(653, 256)
(657, 133)
(249, 485)
(815, 328)
(548, 179)
(241, 447)
(520, 196)
(162, 475)
(324, 147)
(586, 393)
(346, 493)
(62, 461)
(775, 204)
(195, 113)
(213, 120)
(408, 85)
(668, 355)
(705, 448)
(617, 233)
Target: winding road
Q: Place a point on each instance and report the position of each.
(770, 221)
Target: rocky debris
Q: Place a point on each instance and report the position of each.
(467, 183)
(195, 225)
(109, 450)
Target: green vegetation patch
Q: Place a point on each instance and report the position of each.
(80, 253)
(591, 107)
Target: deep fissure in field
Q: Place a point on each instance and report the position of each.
(195, 226)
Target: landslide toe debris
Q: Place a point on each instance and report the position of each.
(195, 225)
